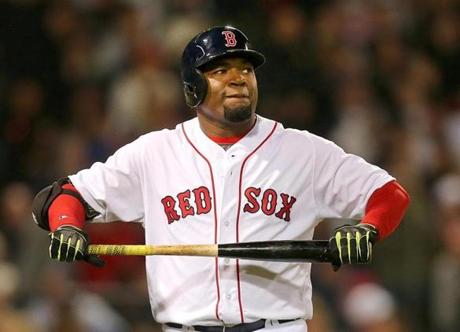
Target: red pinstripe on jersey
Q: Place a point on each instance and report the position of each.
(239, 213)
(216, 263)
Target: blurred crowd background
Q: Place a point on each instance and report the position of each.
(80, 78)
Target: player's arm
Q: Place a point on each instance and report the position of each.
(60, 209)
(384, 212)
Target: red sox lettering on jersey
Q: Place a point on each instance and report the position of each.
(198, 201)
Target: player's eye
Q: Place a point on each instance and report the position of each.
(248, 70)
(219, 71)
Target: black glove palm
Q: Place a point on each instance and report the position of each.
(352, 244)
(69, 244)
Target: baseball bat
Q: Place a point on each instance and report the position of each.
(279, 251)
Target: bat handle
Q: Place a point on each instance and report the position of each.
(280, 251)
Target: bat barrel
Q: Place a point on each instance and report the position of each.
(280, 251)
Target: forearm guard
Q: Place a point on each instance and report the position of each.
(44, 198)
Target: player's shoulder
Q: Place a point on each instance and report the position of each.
(156, 141)
(294, 134)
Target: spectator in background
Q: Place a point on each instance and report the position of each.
(15, 200)
(11, 318)
(23, 115)
(450, 124)
(146, 98)
(359, 118)
(60, 306)
(445, 273)
(21, 242)
(368, 307)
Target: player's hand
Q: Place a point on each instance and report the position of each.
(70, 244)
(352, 244)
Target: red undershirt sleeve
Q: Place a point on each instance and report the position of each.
(66, 210)
(386, 208)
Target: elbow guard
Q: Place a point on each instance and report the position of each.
(44, 198)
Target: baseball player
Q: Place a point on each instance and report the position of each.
(227, 175)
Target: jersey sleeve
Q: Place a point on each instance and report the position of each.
(343, 182)
(113, 188)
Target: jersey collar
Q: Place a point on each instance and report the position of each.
(242, 146)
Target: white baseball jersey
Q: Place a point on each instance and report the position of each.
(273, 184)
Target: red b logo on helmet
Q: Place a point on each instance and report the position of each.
(229, 38)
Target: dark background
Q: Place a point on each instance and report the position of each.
(80, 78)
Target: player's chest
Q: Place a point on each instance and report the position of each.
(232, 188)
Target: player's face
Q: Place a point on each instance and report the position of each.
(232, 92)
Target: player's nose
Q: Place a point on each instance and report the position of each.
(237, 77)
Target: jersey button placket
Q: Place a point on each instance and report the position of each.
(229, 306)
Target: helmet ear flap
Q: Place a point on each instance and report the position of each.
(191, 97)
(195, 93)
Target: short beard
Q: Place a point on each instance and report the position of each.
(239, 114)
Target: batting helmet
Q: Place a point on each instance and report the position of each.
(207, 46)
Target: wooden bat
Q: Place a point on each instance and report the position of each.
(280, 251)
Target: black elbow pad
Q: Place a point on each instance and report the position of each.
(45, 197)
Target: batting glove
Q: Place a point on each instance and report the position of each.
(70, 244)
(352, 244)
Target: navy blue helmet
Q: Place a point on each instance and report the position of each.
(214, 43)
